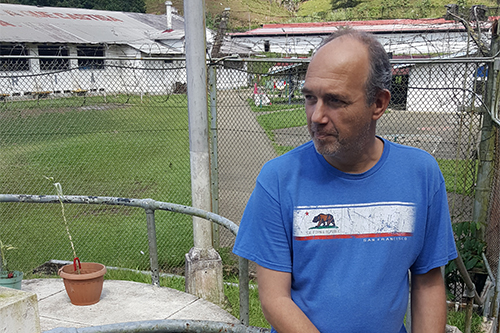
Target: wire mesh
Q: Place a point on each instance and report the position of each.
(437, 107)
(108, 128)
(119, 127)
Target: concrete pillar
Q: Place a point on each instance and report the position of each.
(203, 263)
(204, 275)
(18, 311)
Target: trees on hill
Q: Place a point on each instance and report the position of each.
(116, 5)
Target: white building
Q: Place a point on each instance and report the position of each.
(419, 87)
(399, 36)
(41, 50)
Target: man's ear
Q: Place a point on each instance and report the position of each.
(381, 103)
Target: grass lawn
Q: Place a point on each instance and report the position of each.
(460, 175)
(279, 115)
(119, 146)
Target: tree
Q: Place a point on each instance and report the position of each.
(339, 4)
(114, 5)
(137, 6)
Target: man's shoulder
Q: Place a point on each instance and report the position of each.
(413, 161)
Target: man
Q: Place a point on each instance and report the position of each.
(336, 224)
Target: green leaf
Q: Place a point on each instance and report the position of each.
(471, 263)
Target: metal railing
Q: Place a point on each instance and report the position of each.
(150, 206)
(163, 326)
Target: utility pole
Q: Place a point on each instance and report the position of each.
(203, 263)
(221, 32)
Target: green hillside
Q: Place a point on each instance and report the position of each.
(247, 14)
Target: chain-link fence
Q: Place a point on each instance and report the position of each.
(104, 128)
(120, 128)
(435, 106)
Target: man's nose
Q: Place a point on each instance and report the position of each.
(319, 113)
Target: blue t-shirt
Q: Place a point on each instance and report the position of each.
(349, 239)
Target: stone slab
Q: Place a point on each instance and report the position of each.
(18, 311)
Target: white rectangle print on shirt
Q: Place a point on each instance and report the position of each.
(380, 219)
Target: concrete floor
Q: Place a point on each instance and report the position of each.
(121, 301)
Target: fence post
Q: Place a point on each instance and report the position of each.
(469, 296)
(244, 291)
(214, 164)
(153, 248)
(203, 263)
(487, 143)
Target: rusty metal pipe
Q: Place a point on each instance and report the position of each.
(163, 326)
(143, 203)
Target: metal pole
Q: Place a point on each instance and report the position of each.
(153, 248)
(129, 202)
(244, 291)
(214, 165)
(466, 277)
(488, 268)
(166, 325)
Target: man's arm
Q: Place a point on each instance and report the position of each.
(279, 309)
(428, 302)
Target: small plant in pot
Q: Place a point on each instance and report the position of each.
(83, 281)
(8, 278)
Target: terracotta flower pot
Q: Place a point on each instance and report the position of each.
(84, 288)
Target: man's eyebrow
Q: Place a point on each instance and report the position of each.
(305, 90)
(335, 96)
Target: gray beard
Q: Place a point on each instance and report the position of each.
(341, 145)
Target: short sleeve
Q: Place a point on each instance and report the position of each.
(439, 243)
(263, 236)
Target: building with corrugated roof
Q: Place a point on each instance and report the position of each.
(416, 87)
(399, 36)
(119, 33)
(54, 41)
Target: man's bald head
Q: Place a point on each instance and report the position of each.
(380, 74)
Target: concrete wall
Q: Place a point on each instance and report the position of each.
(18, 311)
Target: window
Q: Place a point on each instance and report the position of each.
(56, 63)
(399, 91)
(90, 51)
(267, 46)
(14, 64)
